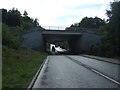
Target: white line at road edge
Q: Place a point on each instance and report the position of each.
(106, 77)
(93, 70)
(41, 70)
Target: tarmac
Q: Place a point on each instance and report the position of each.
(110, 60)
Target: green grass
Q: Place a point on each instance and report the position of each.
(20, 66)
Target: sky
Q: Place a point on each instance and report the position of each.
(60, 13)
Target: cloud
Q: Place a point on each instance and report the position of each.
(59, 12)
(73, 16)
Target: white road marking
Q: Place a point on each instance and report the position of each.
(92, 69)
(106, 76)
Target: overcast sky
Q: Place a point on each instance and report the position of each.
(59, 12)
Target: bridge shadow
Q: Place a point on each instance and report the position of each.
(72, 38)
(62, 53)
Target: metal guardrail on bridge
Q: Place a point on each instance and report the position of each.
(54, 27)
(74, 29)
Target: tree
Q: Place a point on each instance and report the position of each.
(91, 22)
(115, 25)
(35, 22)
(25, 13)
(4, 15)
(13, 18)
(110, 41)
(27, 19)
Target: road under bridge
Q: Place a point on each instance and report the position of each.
(73, 39)
(78, 42)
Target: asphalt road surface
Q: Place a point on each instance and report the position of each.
(66, 72)
(108, 69)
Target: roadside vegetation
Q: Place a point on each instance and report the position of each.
(109, 31)
(19, 64)
(18, 23)
(88, 23)
(110, 40)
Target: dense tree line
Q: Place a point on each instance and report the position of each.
(110, 41)
(91, 22)
(14, 23)
(110, 31)
(14, 18)
(88, 23)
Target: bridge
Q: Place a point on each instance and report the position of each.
(87, 72)
(72, 38)
(78, 42)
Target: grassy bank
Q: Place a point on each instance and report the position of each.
(19, 66)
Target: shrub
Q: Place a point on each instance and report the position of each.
(27, 25)
(8, 39)
(16, 30)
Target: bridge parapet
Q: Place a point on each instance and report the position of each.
(54, 27)
(61, 32)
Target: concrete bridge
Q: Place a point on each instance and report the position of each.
(73, 38)
(78, 42)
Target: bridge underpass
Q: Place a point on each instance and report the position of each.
(73, 39)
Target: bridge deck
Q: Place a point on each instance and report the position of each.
(60, 32)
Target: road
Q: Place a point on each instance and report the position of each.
(109, 69)
(66, 72)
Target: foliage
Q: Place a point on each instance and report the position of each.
(110, 31)
(35, 22)
(91, 22)
(110, 41)
(62, 44)
(27, 19)
(15, 25)
(16, 31)
(19, 67)
(19, 64)
(4, 15)
(8, 39)
(25, 13)
(88, 23)
(13, 18)
(26, 25)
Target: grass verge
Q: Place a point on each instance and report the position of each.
(19, 66)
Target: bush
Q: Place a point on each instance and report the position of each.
(94, 49)
(27, 25)
(8, 39)
(17, 30)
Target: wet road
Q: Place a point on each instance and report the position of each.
(61, 72)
